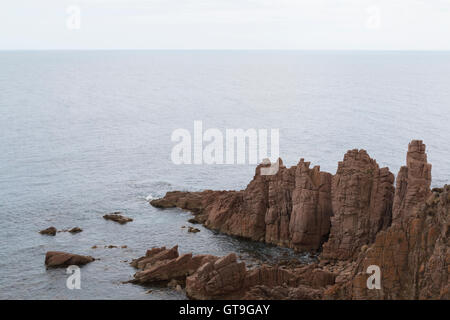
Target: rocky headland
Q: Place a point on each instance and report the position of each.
(353, 219)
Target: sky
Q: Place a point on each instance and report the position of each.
(225, 24)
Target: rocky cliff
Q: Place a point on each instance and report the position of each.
(413, 254)
(356, 216)
(362, 198)
(291, 208)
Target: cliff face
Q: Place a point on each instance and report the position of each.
(403, 230)
(294, 207)
(362, 197)
(413, 254)
(413, 182)
(291, 208)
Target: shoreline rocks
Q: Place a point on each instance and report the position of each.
(161, 265)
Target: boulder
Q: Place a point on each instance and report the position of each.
(56, 259)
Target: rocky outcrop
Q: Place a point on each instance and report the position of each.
(56, 259)
(223, 278)
(117, 217)
(309, 223)
(227, 278)
(164, 265)
(362, 197)
(291, 208)
(357, 217)
(413, 254)
(154, 255)
(413, 182)
(210, 277)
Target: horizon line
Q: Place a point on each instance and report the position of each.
(225, 49)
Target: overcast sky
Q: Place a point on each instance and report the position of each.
(226, 24)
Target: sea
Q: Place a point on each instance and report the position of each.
(86, 133)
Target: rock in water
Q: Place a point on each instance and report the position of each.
(117, 217)
(75, 230)
(51, 231)
(55, 259)
(193, 230)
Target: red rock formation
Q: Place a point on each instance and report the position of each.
(163, 265)
(405, 233)
(413, 182)
(279, 205)
(221, 279)
(362, 196)
(291, 208)
(227, 278)
(309, 224)
(210, 277)
(154, 255)
(413, 254)
(56, 259)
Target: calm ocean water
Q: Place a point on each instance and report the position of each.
(87, 133)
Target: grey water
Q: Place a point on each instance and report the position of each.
(85, 133)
